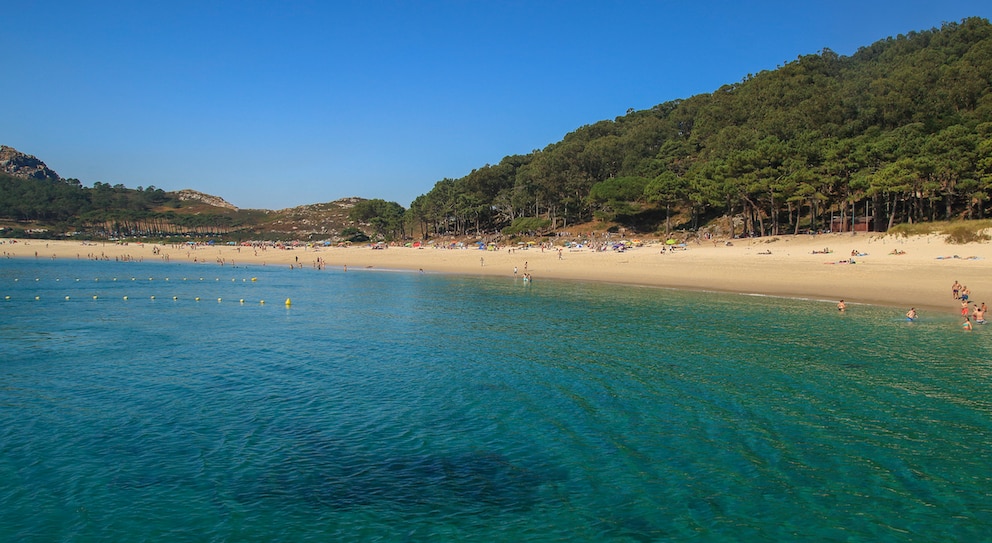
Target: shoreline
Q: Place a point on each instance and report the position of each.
(783, 266)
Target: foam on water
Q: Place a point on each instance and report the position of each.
(419, 407)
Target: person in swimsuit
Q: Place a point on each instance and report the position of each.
(979, 315)
(966, 325)
(841, 306)
(911, 314)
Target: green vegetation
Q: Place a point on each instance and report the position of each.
(385, 218)
(899, 133)
(106, 211)
(965, 233)
(957, 232)
(529, 226)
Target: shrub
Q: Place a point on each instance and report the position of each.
(959, 234)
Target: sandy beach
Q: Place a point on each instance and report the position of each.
(920, 275)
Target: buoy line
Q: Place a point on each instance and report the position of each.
(125, 298)
(134, 279)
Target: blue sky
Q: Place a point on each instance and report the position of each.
(277, 104)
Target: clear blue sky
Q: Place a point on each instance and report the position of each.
(277, 104)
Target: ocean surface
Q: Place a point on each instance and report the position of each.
(394, 406)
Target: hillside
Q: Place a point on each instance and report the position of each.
(36, 201)
(901, 131)
(898, 132)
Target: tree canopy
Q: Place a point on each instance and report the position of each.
(900, 131)
(902, 128)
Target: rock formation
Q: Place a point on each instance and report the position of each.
(14, 162)
(187, 195)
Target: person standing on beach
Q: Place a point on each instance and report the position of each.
(956, 289)
(841, 306)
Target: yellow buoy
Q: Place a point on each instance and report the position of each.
(253, 279)
(288, 302)
(6, 297)
(197, 298)
(218, 300)
(242, 301)
(261, 302)
(94, 297)
(153, 297)
(66, 297)
(125, 298)
(37, 297)
(175, 297)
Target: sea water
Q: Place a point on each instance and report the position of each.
(394, 406)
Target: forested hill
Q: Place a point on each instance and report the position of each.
(899, 131)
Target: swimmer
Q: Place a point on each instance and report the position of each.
(841, 306)
(911, 314)
(966, 325)
(979, 315)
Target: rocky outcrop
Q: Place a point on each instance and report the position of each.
(187, 195)
(16, 163)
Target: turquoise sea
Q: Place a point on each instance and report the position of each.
(394, 406)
